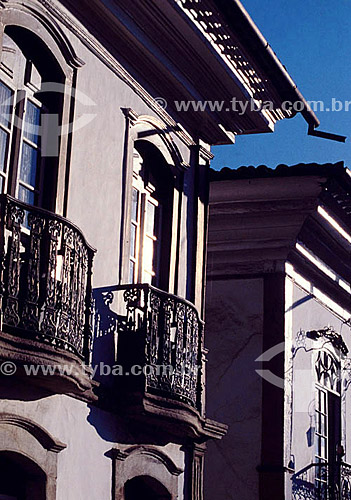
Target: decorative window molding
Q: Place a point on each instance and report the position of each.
(39, 433)
(150, 461)
(39, 23)
(148, 451)
(22, 436)
(141, 124)
(152, 133)
(38, 20)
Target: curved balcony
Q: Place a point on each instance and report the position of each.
(322, 481)
(161, 335)
(45, 295)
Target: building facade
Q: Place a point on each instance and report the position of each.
(278, 371)
(104, 195)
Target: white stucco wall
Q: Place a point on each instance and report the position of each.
(84, 471)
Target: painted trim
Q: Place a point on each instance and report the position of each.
(34, 442)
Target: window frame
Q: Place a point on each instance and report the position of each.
(23, 92)
(331, 436)
(37, 189)
(63, 68)
(144, 197)
(6, 173)
(143, 129)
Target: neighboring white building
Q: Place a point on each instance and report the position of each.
(278, 284)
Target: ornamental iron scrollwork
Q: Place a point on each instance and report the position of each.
(331, 336)
(322, 481)
(345, 482)
(46, 268)
(30, 315)
(171, 335)
(328, 371)
(14, 217)
(152, 337)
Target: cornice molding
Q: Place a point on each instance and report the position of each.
(214, 27)
(216, 429)
(205, 154)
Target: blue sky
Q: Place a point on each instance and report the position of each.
(312, 38)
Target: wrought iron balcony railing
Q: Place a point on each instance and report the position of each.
(156, 330)
(45, 277)
(322, 481)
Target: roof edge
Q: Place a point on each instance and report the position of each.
(281, 170)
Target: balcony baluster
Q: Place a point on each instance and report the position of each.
(46, 268)
(157, 330)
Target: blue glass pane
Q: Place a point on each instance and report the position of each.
(31, 122)
(2, 180)
(29, 162)
(135, 204)
(5, 105)
(25, 195)
(4, 137)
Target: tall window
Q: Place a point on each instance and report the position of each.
(23, 106)
(151, 203)
(145, 226)
(328, 420)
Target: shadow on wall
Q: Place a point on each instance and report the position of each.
(106, 324)
(109, 325)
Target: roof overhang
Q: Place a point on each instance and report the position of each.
(260, 219)
(200, 51)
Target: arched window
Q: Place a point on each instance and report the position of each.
(31, 111)
(328, 418)
(28, 459)
(20, 478)
(145, 488)
(151, 217)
